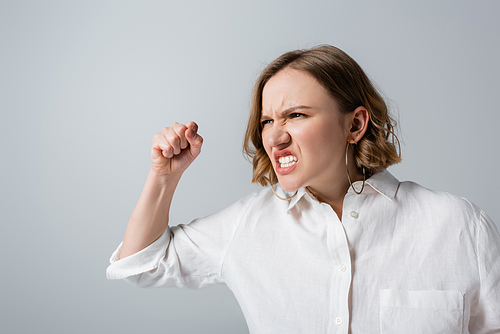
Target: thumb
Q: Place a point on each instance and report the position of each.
(195, 142)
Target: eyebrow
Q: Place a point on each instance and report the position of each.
(289, 110)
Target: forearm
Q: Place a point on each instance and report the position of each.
(173, 150)
(150, 216)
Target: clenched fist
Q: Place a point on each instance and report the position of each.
(175, 148)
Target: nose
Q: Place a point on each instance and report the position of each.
(278, 137)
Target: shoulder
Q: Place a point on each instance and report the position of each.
(436, 203)
(260, 197)
(258, 200)
(263, 202)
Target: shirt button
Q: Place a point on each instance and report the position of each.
(338, 321)
(342, 268)
(354, 214)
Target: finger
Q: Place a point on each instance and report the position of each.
(161, 145)
(168, 152)
(156, 153)
(162, 150)
(168, 140)
(180, 131)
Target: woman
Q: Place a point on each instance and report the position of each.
(340, 245)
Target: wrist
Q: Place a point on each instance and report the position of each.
(164, 178)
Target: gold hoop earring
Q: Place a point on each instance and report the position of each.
(281, 198)
(349, 176)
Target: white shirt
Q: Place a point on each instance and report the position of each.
(404, 259)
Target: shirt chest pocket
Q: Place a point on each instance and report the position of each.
(428, 312)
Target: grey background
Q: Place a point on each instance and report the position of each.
(85, 85)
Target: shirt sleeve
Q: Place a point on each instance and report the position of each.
(186, 256)
(486, 318)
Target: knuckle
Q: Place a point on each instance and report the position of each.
(173, 139)
(156, 138)
(180, 129)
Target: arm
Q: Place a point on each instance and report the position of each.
(173, 150)
(486, 316)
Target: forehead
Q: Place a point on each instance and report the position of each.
(290, 87)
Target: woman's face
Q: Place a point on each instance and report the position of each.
(304, 133)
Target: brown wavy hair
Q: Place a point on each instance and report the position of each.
(350, 87)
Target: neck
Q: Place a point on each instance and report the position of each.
(333, 192)
(332, 196)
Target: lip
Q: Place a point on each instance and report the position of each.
(283, 170)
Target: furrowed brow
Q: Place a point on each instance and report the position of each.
(294, 108)
(286, 111)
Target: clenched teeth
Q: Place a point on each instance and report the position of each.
(287, 161)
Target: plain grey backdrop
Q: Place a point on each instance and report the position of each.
(86, 84)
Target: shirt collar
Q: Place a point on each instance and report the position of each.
(382, 182)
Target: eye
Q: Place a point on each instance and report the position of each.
(296, 115)
(266, 121)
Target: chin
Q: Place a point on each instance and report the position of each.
(289, 186)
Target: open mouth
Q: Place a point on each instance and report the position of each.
(287, 161)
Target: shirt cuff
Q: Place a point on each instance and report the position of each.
(140, 262)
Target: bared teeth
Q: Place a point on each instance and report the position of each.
(287, 161)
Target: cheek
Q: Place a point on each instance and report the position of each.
(267, 148)
(321, 141)
(314, 138)
(264, 138)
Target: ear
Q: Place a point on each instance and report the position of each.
(358, 124)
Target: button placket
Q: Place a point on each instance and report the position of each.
(341, 281)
